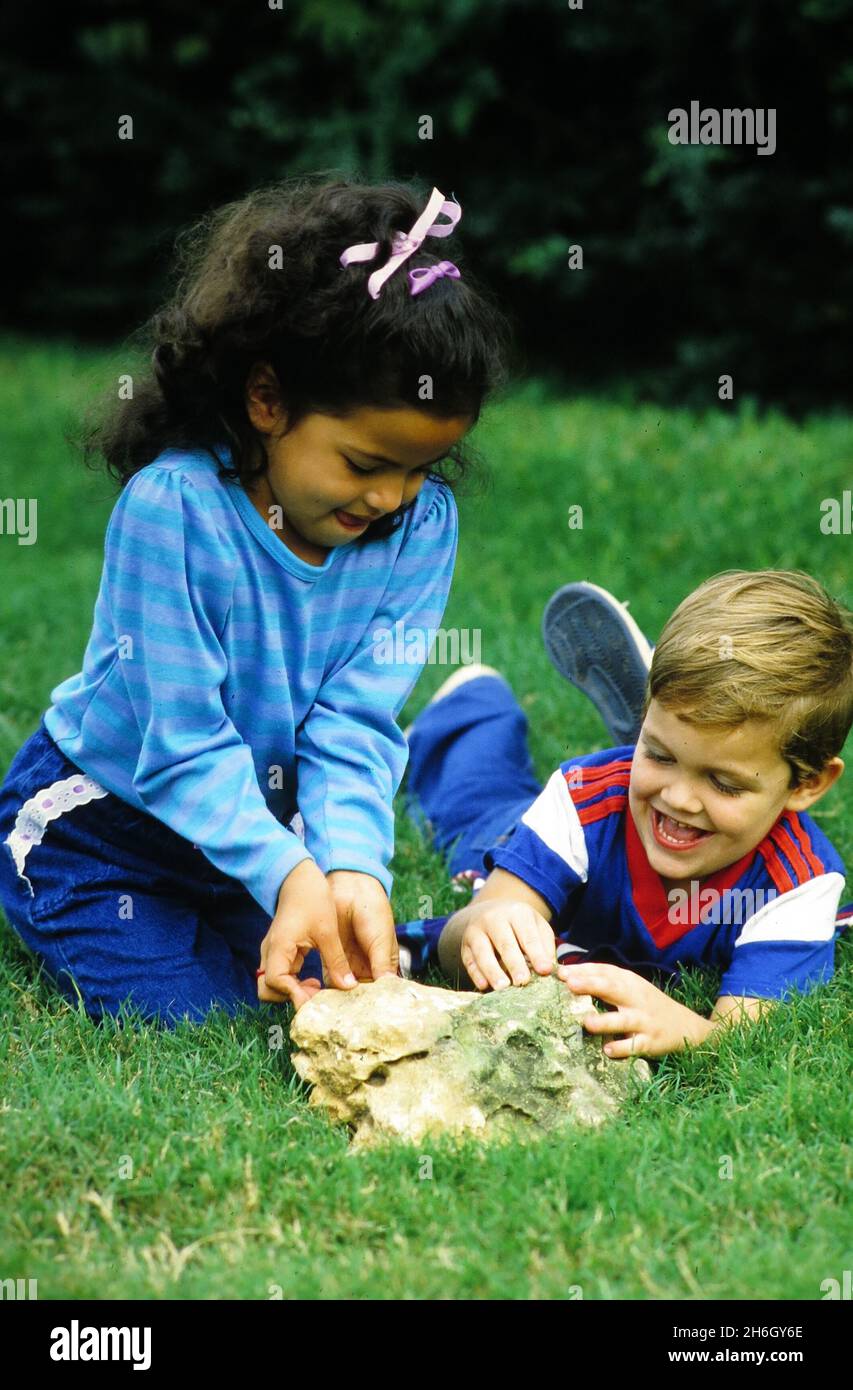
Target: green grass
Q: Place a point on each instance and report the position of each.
(141, 1164)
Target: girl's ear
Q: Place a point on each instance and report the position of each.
(815, 787)
(263, 398)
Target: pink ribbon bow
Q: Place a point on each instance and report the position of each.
(423, 276)
(404, 243)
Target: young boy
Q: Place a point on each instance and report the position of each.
(690, 846)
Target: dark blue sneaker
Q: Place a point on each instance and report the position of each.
(595, 644)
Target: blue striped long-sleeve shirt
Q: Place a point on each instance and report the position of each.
(228, 683)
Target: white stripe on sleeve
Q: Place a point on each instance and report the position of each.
(804, 913)
(554, 818)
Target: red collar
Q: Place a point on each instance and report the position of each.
(649, 894)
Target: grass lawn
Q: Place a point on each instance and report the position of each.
(140, 1164)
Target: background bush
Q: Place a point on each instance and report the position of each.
(550, 126)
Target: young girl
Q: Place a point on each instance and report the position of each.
(282, 498)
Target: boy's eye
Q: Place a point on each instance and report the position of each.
(721, 786)
(728, 791)
(656, 757)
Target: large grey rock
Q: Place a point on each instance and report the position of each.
(397, 1059)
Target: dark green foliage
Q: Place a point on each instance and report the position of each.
(550, 126)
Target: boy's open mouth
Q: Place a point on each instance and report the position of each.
(674, 834)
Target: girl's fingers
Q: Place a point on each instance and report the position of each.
(280, 962)
(288, 988)
(381, 949)
(335, 962)
(311, 987)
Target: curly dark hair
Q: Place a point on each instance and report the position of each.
(333, 348)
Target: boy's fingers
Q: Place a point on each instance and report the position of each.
(488, 964)
(502, 942)
(574, 982)
(636, 1046)
(476, 975)
(509, 948)
(622, 1021)
(540, 950)
(609, 982)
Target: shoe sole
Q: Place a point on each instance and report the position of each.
(596, 645)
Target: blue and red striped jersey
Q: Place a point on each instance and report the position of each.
(768, 921)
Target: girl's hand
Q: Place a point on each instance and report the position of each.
(365, 923)
(509, 930)
(305, 917)
(654, 1023)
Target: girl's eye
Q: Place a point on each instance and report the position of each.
(355, 468)
(727, 791)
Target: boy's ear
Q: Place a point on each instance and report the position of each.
(815, 787)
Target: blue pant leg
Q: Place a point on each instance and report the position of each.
(112, 902)
(470, 773)
(469, 780)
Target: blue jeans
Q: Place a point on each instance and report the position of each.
(470, 777)
(468, 783)
(112, 900)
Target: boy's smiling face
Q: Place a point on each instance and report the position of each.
(726, 788)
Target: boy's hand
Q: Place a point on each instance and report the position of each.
(506, 930)
(365, 924)
(654, 1023)
(305, 917)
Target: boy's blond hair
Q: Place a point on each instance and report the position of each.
(761, 644)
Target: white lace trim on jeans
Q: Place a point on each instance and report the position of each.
(34, 816)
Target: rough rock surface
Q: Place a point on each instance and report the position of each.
(397, 1059)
